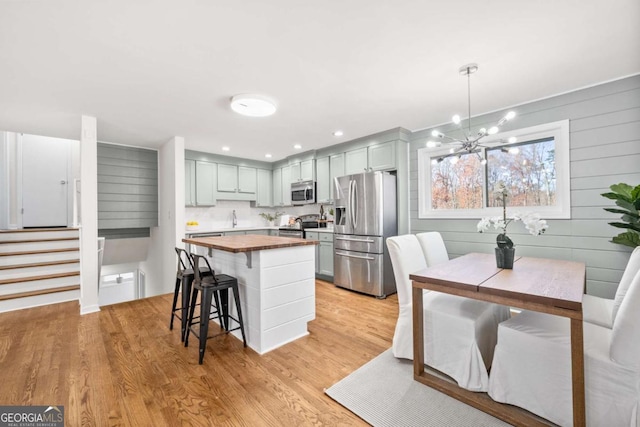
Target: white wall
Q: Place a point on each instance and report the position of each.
(160, 267)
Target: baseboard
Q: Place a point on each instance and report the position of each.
(94, 308)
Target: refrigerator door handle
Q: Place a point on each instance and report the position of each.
(355, 205)
(349, 239)
(351, 203)
(355, 256)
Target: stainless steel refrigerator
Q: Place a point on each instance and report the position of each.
(365, 215)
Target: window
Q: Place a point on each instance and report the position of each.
(535, 170)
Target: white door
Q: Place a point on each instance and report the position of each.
(45, 181)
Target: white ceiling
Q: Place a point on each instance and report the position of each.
(153, 69)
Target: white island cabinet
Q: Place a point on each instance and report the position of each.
(276, 277)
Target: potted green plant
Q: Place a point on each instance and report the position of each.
(271, 217)
(628, 201)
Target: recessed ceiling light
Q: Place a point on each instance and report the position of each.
(253, 105)
(338, 133)
(268, 156)
(225, 148)
(297, 146)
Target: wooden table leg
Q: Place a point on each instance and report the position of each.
(418, 333)
(577, 372)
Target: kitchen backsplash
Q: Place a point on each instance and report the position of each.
(220, 216)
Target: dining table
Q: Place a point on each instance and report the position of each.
(550, 286)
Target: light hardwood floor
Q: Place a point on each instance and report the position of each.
(123, 367)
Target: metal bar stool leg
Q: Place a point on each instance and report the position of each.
(236, 298)
(205, 309)
(175, 301)
(192, 309)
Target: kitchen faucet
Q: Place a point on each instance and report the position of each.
(235, 219)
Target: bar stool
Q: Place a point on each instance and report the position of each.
(184, 279)
(211, 286)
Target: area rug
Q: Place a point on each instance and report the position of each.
(383, 393)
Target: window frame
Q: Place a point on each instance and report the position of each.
(559, 131)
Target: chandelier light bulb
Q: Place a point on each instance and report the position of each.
(512, 140)
(483, 162)
(510, 115)
(493, 130)
(434, 161)
(433, 144)
(436, 134)
(456, 119)
(452, 150)
(514, 150)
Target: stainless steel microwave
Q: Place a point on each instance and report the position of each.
(303, 193)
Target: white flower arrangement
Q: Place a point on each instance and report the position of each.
(532, 221)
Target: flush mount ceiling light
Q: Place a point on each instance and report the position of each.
(253, 105)
(470, 142)
(297, 147)
(338, 133)
(225, 148)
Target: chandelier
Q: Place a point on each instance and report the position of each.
(470, 142)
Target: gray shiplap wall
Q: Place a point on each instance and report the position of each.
(127, 191)
(604, 124)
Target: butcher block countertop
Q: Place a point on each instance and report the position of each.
(248, 243)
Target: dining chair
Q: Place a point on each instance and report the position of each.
(602, 311)
(460, 333)
(433, 247)
(532, 365)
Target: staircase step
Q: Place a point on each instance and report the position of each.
(39, 292)
(57, 239)
(39, 264)
(38, 245)
(39, 251)
(36, 278)
(6, 272)
(56, 297)
(38, 233)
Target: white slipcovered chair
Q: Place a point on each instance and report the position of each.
(460, 333)
(602, 311)
(532, 365)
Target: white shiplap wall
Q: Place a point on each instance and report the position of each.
(605, 150)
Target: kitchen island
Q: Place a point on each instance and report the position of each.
(276, 277)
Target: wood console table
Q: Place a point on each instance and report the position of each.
(544, 285)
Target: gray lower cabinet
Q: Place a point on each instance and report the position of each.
(234, 233)
(325, 255)
(261, 232)
(313, 235)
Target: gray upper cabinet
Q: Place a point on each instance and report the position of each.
(189, 182)
(286, 186)
(236, 179)
(227, 178)
(302, 171)
(323, 185)
(372, 158)
(336, 169)
(206, 176)
(247, 180)
(356, 161)
(382, 156)
(282, 186)
(277, 187)
(264, 190)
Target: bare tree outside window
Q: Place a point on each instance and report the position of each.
(529, 175)
(457, 186)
